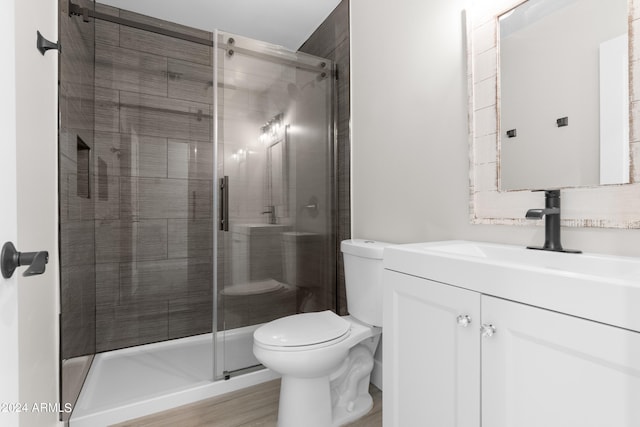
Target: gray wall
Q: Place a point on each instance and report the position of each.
(409, 129)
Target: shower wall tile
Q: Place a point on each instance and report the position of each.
(77, 68)
(127, 155)
(130, 70)
(73, 207)
(107, 110)
(64, 165)
(77, 243)
(164, 117)
(333, 31)
(193, 160)
(77, 288)
(190, 316)
(107, 284)
(79, 208)
(131, 324)
(78, 99)
(190, 238)
(126, 241)
(108, 152)
(107, 32)
(265, 308)
(189, 81)
(164, 280)
(106, 195)
(159, 44)
(78, 330)
(149, 198)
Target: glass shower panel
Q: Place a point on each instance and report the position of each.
(275, 147)
(153, 182)
(77, 211)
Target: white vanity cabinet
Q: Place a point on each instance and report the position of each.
(431, 353)
(511, 365)
(542, 368)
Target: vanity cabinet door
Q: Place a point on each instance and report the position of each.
(431, 353)
(542, 368)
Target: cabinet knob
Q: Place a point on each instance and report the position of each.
(487, 330)
(464, 320)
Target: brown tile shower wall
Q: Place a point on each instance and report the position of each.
(331, 41)
(153, 157)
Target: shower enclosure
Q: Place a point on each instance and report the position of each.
(196, 202)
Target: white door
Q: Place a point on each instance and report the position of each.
(431, 353)
(8, 222)
(28, 212)
(542, 368)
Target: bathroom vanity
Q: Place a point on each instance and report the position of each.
(479, 334)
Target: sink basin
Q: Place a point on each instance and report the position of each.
(609, 267)
(599, 287)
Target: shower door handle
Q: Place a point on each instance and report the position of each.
(224, 203)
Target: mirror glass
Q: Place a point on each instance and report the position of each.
(563, 94)
(275, 159)
(274, 134)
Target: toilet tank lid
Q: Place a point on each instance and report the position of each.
(364, 248)
(302, 329)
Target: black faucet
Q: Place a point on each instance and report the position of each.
(551, 214)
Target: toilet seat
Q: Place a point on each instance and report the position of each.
(302, 331)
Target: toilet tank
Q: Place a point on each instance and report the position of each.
(363, 279)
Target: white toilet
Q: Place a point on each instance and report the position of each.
(326, 360)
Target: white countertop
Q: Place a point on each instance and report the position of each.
(602, 288)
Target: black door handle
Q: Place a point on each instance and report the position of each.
(10, 259)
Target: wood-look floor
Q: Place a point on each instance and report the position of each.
(255, 406)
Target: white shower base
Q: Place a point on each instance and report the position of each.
(138, 381)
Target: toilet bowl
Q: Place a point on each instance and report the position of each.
(326, 360)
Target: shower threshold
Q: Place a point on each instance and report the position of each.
(138, 381)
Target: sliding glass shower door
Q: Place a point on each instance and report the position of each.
(276, 240)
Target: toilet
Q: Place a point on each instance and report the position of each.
(326, 360)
